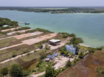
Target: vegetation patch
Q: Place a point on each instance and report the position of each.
(87, 67)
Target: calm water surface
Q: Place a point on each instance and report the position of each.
(88, 26)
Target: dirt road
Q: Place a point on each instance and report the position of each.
(36, 75)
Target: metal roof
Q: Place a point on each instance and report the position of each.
(54, 40)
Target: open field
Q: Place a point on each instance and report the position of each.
(86, 68)
(26, 61)
(5, 54)
(8, 41)
(27, 35)
(20, 31)
(23, 48)
(17, 39)
(39, 39)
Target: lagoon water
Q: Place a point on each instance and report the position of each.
(89, 26)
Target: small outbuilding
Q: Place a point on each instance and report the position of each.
(50, 57)
(55, 54)
(71, 49)
(47, 59)
(5, 25)
(54, 42)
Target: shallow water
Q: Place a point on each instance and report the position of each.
(86, 25)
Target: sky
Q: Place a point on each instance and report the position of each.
(51, 3)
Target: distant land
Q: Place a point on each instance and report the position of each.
(57, 9)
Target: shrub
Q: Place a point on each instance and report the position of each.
(100, 71)
(16, 71)
(49, 71)
(81, 55)
(42, 57)
(68, 64)
(14, 55)
(18, 33)
(91, 50)
(1, 75)
(25, 73)
(4, 71)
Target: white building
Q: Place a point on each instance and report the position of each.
(54, 42)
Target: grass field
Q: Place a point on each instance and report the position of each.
(12, 41)
(8, 41)
(9, 53)
(86, 68)
(29, 61)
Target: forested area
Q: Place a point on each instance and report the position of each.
(56, 10)
(6, 21)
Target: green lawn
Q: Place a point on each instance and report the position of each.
(42, 66)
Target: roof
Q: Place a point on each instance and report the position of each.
(50, 56)
(70, 46)
(5, 25)
(55, 54)
(54, 40)
(47, 59)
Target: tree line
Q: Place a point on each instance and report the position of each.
(6, 21)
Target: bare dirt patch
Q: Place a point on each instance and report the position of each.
(27, 35)
(39, 39)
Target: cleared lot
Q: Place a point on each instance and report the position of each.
(10, 29)
(20, 31)
(38, 39)
(27, 35)
(61, 61)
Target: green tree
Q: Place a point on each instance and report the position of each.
(4, 71)
(81, 54)
(66, 53)
(77, 49)
(16, 71)
(68, 63)
(71, 54)
(49, 71)
(91, 50)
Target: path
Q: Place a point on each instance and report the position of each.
(19, 31)
(23, 35)
(33, 40)
(5, 37)
(10, 29)
(39, 39)
(36, 75)
(15, 57)
(11, 46)
(19, 56)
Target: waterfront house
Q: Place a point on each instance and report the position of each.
(71, 49)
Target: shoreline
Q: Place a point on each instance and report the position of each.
(60, 13)
(81, 44)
